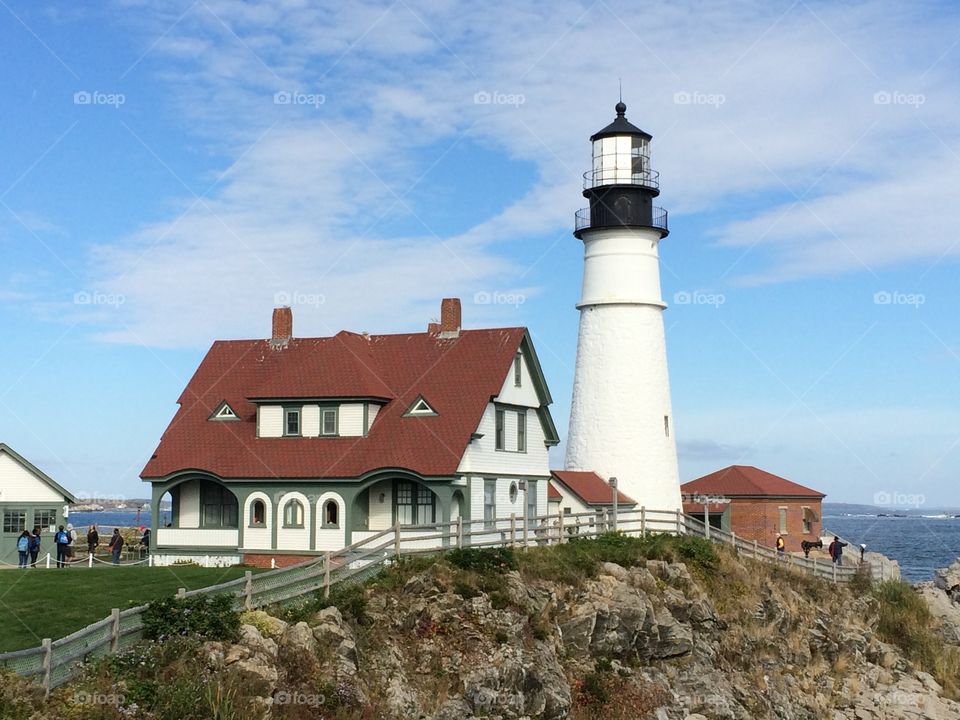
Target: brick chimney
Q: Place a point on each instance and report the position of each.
(450, 318)
(282, 326)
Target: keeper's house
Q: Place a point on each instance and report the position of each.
(290, 447)
(28, 498)
(756, 505)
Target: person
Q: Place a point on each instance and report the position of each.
(93, 540)
(781, 546)
(34, 546)
(23, 548)
(63, 542)
(836, 550)
(72, 535)
(116, 545)
(145, 539)
(863, 549)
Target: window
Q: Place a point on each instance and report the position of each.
(783, 521)
(258, 513)
(224, 412)
(666, 425)
(328, 418)
(808, 518)
(499, 441)
(522, 431)
(44, 518)
(518, 370)
(331, 514)
(14, 521)
(531, 501)
(421, 407)
(489, 503)
(291, 422)
(414, 504)
(293, 514)
(513, 492)
(219, 506)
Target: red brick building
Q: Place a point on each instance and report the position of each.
(757, 505)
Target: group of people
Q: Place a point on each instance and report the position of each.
(835, 549)
(28, 544)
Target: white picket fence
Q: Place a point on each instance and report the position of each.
(55, 662)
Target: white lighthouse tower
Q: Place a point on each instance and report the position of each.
(621, 423)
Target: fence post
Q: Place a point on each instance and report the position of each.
(815, 573)
(560, 527)
(513, 530)
(248, 589)
(326, 574)
(396, 540)
(643, 520)
(115, 631)
(706, 520)
(679, 521)
(48, 561)
(756, 548)
(834, 573)
(459, 532)
(47, 661)
(733, 540)
(526, 530)
(181, 593)
(89, 559)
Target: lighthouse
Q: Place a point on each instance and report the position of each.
(621, 424)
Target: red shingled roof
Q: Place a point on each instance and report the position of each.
(553, 493)
(746, 480)
(589, 487)
(458, 376)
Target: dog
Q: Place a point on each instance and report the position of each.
(807, 546)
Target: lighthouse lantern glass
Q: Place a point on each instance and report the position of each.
(620, 159)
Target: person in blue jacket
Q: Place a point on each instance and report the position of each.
(34, 546)
(23, 548)
(63, 547)
(836, 550)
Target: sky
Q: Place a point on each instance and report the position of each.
(171, 171)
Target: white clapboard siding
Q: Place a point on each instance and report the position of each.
(381, 513)
(310, 421)
(481, 456)
(188, 515)
(270, 421)
(293, 538)
(525, 395)
(18, 484)
(331, 538)
(351, 419)
(257, 538)
(197, 538)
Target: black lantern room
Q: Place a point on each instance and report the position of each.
(621, 186)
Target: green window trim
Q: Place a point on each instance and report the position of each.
(413, 504)
(288, 414)
(325, 519)
(334, 411)
(521, 431)
(500, 421)
(291, 518)
(14, 521)
(252, 520)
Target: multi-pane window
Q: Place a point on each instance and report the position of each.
(518, 370)
(807, 521)
(783, 521)
(328, 419)
(500, 423)
(415, 504)
(522, 431)
(531, 500)
(489, 502)
(219, 506)
(293, 514)
(44, 518)
(291, 421)
(14, 521)
(331, 514)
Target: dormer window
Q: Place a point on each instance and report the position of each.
(421, 407)
(328, 421)
(224, 412)
(291, 422)
(518, 370)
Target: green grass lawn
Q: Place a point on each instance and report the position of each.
(41, 603)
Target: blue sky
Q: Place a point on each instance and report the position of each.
(157, 193)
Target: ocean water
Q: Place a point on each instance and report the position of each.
(109, 519)
(919, 544)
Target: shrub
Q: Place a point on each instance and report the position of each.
(210, 617)
(492, 560)
(349, 598)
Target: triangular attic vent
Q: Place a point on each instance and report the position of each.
(224, 412)
(421, 407)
